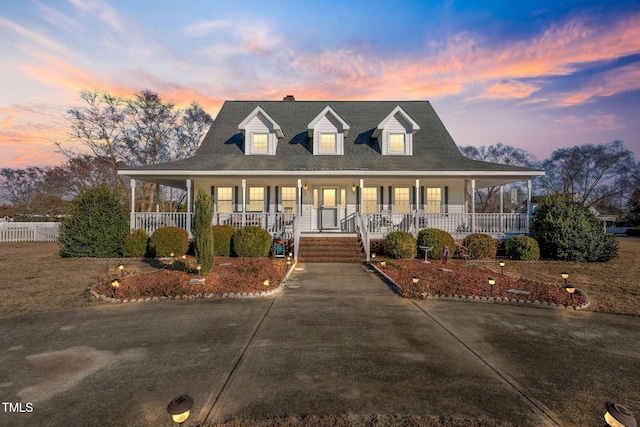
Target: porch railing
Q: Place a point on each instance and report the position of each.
(365, 235)
(454, 223)
(278, 224)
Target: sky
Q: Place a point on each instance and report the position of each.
(532, 74)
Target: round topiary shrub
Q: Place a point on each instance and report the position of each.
(95, 226)
(167, 240)
(251, 241)
(569, 231)
(522, 248)
(136, 243)
(222, 235)
(437, 239)
(400, 244)
(480, 246)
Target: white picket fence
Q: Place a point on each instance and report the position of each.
(29, 231)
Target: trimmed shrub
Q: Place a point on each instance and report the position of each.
(251, 241)
(96, 225)
(567, 230)
(202, 235)
(136, 243)
(400, 244)
(166, 240)
(222, 235)
(480, 246)
(522, 248)
(633, 231)
(437, 239)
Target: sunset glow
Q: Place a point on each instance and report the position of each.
(536, 76)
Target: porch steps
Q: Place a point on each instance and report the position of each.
(330, 249)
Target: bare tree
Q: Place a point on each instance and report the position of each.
(593, 173)
(138, 131)
(498, 153)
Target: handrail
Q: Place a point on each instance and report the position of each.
(365, 236)
(296, 236)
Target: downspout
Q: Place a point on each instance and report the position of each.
(132, 216)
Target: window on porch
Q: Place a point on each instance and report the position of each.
(225, 199)
(434, 200)
(369, 200)
(256, 199)
(288, 197)
(401, 200)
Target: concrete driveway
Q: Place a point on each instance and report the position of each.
(340, 342)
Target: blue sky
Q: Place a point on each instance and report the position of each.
(536, 75)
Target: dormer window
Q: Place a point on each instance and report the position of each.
(261, 133)
(395, 133)
(328, 131)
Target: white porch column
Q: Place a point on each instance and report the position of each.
(299, 196)
(189, 206)
(417, 203)
(502, 199)
(132, 216)
(473, 205)
(157, 197)
(528, 197)
(244, 200)
(360, 195)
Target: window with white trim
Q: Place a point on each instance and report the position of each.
(328, 143)
(369, 200)
(434, 200)
(401, 200)
(260, 143)
(288, 197)
(396, 143)
(225, 199)
(256, 199)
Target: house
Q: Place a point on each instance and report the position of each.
(334, 167)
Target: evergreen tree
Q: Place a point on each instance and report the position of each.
(202, 233)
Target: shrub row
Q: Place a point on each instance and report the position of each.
(400, 244)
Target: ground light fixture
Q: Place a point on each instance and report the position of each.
(266, 282)
(415, 279)
(121, 270)
(571, 289)
(565, 276)
(199, 267)
(618, 416)
(383, 263)
(115, 284)
(492, 282)
(179, 408)
(502, 264)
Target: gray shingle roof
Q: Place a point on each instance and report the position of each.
(433, 148)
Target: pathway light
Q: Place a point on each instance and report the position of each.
(415, 279)
(179, 408)
(502, 264)
(266, 282)
(492, 282)
(199, 267)
(571, 289)
(565, 276)
(618, 416)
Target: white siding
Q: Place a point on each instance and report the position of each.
(328, 124)
(260, 124)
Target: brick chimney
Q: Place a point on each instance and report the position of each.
(289, 98)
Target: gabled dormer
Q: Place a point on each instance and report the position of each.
(261, 133)
(327, 132)
(395, 133)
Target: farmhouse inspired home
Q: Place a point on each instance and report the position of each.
(336, 168)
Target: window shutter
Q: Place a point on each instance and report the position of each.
(412, 198)
(235, 199)
(381, 198)
(268, 199)
(446, 199)
(422, 202)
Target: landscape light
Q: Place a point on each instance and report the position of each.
(415, 279)
(571, 289)
(492, 282)
(618, 416)
(115, 284)
(266, 282)
(199, 267)
(502, 264)
(565, 276)
(179, 408)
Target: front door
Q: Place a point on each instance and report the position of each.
(328, 218)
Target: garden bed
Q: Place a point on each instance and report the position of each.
(228, 276)
(468, 280)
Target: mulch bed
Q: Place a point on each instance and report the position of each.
(229, 275)
(471, 280)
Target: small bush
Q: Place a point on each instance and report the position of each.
(522, 248)
(166, 240)
(633, 231)
(480, 246)
(400, 244)
(251, 241)
(136, 243)
(96, 225)
(222, 235)
(437, 239)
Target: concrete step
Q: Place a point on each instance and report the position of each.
(330, 249)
